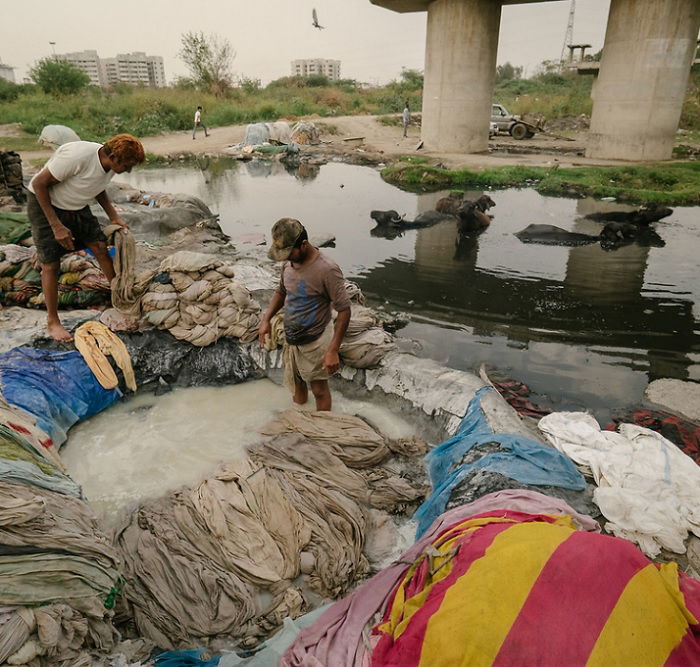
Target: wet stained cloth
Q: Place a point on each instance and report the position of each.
(196, 560)
(94, 341)
(355, 442)
(341, 634)
(565, 597)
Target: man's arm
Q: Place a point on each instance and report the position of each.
(264, 329)
(42, 182)
(103, 201)
(331, 360)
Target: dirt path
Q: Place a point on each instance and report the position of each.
(364, 137)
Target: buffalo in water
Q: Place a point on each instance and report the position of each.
(613, 235)
(644, 215)
(471, 217)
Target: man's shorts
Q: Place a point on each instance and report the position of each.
(305, 362)
(84, 225)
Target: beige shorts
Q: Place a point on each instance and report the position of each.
(305, 362)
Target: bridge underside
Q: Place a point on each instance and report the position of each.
(637, 98)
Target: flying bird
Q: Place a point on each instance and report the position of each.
(314, 20)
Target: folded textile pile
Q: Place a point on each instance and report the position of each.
(195, 297)
(648, 489)
(80, 283)
(201, 561)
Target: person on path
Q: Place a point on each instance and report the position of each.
(198, 123)
(58, 208)
(406, 118)
(309, 285)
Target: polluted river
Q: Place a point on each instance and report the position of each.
(582, 327)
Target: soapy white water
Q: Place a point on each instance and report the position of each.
(149, 445)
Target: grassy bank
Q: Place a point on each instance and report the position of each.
(671, 184)
(98, 114)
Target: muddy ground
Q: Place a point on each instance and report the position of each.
(367, 139)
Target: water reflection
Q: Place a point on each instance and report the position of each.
(582, 323)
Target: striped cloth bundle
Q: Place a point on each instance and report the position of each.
(510, 588)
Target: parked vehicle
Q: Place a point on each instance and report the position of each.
(516, 126)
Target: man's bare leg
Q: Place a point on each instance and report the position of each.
(99, 249)
(49, 285)
(322, 394)
(301, 392)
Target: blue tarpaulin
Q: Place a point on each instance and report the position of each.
(57, 387)
(524, 460)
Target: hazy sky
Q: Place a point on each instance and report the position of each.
(372, 43)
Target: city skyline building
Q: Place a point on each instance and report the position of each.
(135, 68)
(311, 66)
(7, 72)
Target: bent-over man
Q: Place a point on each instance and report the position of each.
(310, 284)
(58, 208)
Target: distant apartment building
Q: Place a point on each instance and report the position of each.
(85, 61)
(135, 68)
(7, 73)
(310, 66)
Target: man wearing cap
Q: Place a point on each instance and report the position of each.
(310, 284)
(58, 208)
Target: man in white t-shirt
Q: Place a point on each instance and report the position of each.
(58, 208)
(198, 123)
(406, 118)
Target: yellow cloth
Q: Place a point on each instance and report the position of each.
(93, 340)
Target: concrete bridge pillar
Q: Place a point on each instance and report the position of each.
(637, 98)
(460, 70)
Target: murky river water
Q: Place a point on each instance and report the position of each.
(581, 326)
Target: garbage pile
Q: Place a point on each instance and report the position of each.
(11, 177)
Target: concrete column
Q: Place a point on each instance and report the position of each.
(460, 70)
(637, 99)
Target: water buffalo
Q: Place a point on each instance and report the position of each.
(644, 215)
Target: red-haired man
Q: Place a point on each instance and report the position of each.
(59, 209)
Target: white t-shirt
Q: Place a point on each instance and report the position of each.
(197, 116)
(77, 166)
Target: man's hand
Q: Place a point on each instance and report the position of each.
(264, 330)
(64, 236)
(331, 362)
(121, 223)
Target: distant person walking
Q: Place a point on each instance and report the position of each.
(198, 123)
(406, 118)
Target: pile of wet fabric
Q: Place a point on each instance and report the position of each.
(646, 487)
(58, 574)
(223, 558)
(365, 344)
(80, 283)
(516, 577)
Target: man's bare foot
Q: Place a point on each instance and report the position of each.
(57, 332)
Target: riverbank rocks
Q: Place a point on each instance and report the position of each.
(676, 395)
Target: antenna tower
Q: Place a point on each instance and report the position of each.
(569, 36)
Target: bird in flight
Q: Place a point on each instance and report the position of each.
(314, 20)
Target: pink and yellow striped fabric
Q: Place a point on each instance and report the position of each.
(507, 588)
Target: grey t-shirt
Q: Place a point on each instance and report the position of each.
(309, 292)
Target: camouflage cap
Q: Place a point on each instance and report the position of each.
(285, 234)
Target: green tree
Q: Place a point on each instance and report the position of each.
(412, 79)
(209, 58)
(506, 72)
(58, 77)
